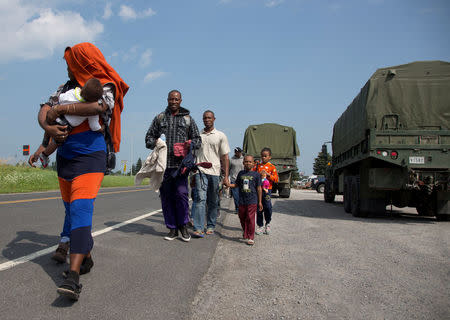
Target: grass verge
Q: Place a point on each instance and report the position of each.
(14, 179)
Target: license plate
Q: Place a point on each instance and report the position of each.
(417, 160)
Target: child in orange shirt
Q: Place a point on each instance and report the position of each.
(272, 177)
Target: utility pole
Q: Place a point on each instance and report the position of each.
(131, 170)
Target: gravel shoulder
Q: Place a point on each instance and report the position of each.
(321, 263)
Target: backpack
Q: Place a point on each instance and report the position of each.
(110, 155)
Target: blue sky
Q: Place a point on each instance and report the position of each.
(293, 62)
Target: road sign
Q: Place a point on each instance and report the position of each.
(26, 149)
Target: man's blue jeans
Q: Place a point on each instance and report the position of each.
(206, 198)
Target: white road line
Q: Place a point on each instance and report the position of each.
(16, 262)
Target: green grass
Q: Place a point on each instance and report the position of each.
(15, 179)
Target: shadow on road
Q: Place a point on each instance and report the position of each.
(322, 210)
(27, 242)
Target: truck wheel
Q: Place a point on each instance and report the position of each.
(442, 217)
(320, 188)
(442, 210)
(284, 193)
(356, 200)
(425, 209)
(347, 198)
(328, 195)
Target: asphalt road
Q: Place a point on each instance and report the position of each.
(318, 263)
(137, 274)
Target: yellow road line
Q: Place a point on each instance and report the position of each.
(53, 198)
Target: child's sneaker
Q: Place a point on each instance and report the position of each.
(259, 231)
(44, 160)
(267, 230)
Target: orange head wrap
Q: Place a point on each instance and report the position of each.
(86, 61)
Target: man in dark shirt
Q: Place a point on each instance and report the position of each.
(177, 126)
(250, 197)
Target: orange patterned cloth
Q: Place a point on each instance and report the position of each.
(272, 174)
(86, 61)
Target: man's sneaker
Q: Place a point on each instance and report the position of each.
(210, 231)
(185, 236)
(198, 234)
(85, 267)
(173, 234)
(259, 231)
(60, 254)
(250, 242)
(71, 287)
(267, 230)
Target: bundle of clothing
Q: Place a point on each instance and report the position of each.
(155, 164)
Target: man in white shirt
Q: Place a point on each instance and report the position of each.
(236, 165)
(214, 149)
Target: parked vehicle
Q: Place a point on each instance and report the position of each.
(392, 144)
(282, 140)
(319, 184)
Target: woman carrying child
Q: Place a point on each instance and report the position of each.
(81, 156)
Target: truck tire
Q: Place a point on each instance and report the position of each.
(425, 209)
(328, 195)
(442, 212)
(442, 217)
(356, 199)
(284, 192)
(320, 188)
(347, 198)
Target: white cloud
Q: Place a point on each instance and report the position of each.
(131, 54)
(273, 3)
(128, 13)
(107, 13)
(148, 13)
(154, 75)
(30, 32)
(146, 58)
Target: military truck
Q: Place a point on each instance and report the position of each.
(392, 143)
(282, 140)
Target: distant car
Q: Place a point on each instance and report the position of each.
(319, 184)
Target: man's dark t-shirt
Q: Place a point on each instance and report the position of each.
(247, 182)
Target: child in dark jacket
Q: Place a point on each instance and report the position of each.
(250, 195)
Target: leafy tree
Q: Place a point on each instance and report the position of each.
(295, 176)
(320, 163)
(138, 165)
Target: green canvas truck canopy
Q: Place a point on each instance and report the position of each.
(282, 140)
(413, 96)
